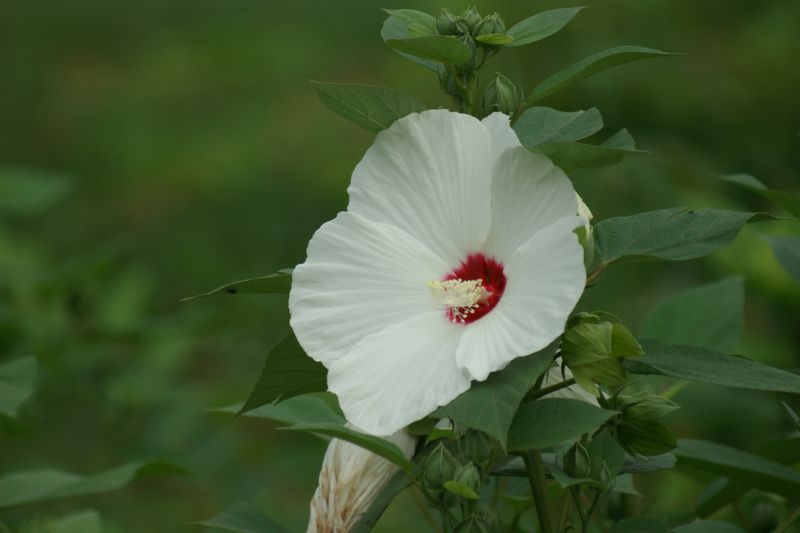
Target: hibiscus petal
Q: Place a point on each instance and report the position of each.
(503, 137)
(545, 279)
(528, 194)
(401, 374)
(430, 175)
(360, 277)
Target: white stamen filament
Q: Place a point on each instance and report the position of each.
(458, 296)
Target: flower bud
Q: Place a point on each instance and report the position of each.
(492, 24)
(469, 65)
(437, 468)
(577, 462)
(471, 17)
(585, 233)
(447, 83)
(449, 24)
(477, 447)
(473, 524)
(763, 518)
(349, 481)
(501, 95)
(469, 476)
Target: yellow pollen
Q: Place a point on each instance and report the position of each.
(458, 296)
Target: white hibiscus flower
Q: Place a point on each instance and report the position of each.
(456, 255)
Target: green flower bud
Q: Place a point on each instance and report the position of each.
(492, 24)
(447, 83)
(501, 95)
(471, 17)
(467, 66)
(577, 463)
(438, 467)
(449, 24)
(477, 447)
(763, 518)
(469, 476)
(473, 524)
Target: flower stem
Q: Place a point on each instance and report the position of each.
(541, 393)
(594, 276)
(535, 468)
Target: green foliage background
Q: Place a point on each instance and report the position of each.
(197, 153)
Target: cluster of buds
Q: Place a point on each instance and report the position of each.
(639, 428)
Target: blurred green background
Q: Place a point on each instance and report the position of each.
(196, 153)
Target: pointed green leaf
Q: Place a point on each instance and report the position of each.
(572, 156)
(789, 201)
(550, 421)
(43, 485)
(495, 39)
(242, 518)
(309, 408)
(407, 23)
(541, 25)
(28, 192)
(17, 383)
(288, 371)
(438, 48)
(589, 66)
(710, 316)
(373, 108)
(489, 406)
(786, 250)
(461, 489)
(542, 125)
(673, 234)
(738, 465)
(388, 450)
(278, 283)
(707, 366)
(646, 437)
(603, 448)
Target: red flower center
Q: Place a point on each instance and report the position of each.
(478, 267)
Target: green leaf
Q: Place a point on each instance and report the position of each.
(407, 23)
(396, 485)
(708, 526)
(707, 366)
(373, 108)
(278, 283)
(603, 448)
(550, 421)
(709, 316)
(573, 156)
(388, 450)
(87, 521)
(489, 406)
(242, 518)
(632, 465)
(739, 466)
(541, 25)
(288, 371)
(29, 192)
(495, 39)
(641, 524)
(673, 234)
(543, 125)
(591, 65)
(461, 489)
(17, 383)
(646, 437)
(309, 408)
(787, 251)
(438, 48)
(789, 201)
(417, 23)
(44, 485)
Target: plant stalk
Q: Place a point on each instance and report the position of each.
(535, 468)
(536, 394)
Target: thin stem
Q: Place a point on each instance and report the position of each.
(536, 394)
(592, 278)
(426, 512)
(591, 512)
(791, 519)
(575, 492)
(535, 468)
